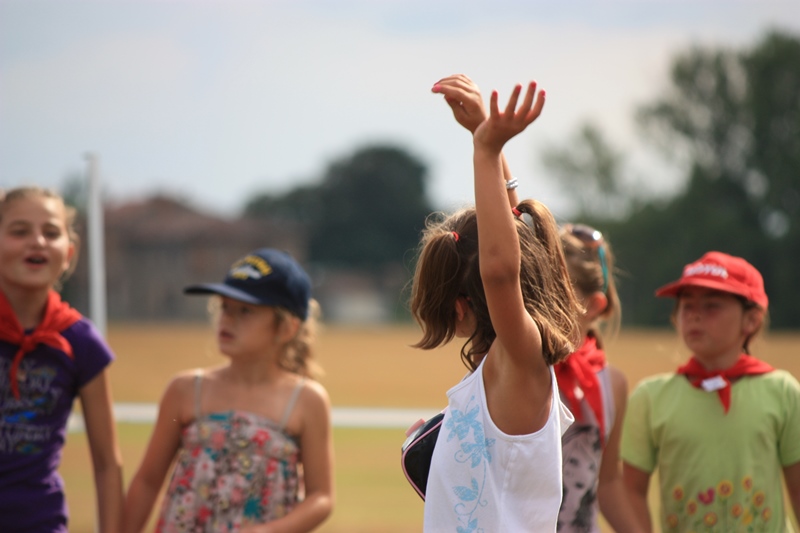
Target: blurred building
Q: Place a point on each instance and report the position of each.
(364, 297)
(157, 246)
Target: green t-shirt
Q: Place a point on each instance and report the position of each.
(717, 472)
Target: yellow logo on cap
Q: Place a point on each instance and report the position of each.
(251, 267)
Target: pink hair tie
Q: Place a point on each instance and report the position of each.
(455, 235)
(516, 211)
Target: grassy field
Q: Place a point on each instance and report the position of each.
(364, 366)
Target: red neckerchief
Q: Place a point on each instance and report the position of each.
(58, 316)
(578, 372)
(720, 380)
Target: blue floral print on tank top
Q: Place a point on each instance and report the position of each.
(475, 451)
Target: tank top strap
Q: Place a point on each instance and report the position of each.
(198, 386)
(292, 402)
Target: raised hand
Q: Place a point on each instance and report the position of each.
(464, 98)
(499, 127)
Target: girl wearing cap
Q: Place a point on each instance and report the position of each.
(722, 428)
(250, 440)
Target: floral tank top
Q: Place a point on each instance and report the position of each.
(234, 468)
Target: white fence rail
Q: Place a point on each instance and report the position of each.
(343, 417)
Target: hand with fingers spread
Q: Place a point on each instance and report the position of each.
(500, 127)
(464, 98)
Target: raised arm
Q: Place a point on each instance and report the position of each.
(518, 381)
(466, 102)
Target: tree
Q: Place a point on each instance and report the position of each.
(298, 205)
(75, 193)
(590, 171)
(736, 115)
(731, 119)
(366, 212)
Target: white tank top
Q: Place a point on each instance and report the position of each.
(482, 479)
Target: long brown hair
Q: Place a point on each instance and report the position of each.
(447, 267)
(299, 354)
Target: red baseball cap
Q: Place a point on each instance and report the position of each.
(721, 272)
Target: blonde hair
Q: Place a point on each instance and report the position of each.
(589, 275)
(299, 354)
(70, 215)
(447, 267)
(298, 357)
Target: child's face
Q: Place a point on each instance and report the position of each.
(713, 323)
(35, 248)
(245, 329)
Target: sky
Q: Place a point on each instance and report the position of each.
(214, 101)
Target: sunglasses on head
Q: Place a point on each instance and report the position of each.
(593, 239)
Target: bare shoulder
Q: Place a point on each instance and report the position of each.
(178, 397)
(182, 383)
(618, 378)
(315, 394)
(312, 415)
(619, 384)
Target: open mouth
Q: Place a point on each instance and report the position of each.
(36, 260)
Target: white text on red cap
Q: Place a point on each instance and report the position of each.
(706, 270)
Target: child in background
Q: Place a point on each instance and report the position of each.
(499, 280)
(251, 439)
(595, 392)
(722, 428)
(49, 354)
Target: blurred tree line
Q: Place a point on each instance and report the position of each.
(731, 120)
(363, 216)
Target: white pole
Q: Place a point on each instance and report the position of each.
(97, 268)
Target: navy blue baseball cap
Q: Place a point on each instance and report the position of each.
(264, 277)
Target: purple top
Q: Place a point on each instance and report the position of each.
(33, 428)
